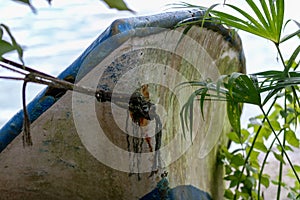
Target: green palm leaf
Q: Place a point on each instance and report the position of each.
(266, 23)
(7, 47)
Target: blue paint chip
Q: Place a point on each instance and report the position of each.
(182, 192)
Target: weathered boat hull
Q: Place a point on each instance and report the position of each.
(85, 149)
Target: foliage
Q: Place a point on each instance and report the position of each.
(118, 4)
(272, 132)
(7, 46)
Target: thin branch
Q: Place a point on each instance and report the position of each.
(12, 78)
(36, 76)
(26, 132)
(252, 147)
(282, 147)
(264, 162)
(282, 153)
(23, 67)
(12, 69)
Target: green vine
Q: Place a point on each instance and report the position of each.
(271, 132)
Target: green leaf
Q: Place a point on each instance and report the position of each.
(292, 59)
(231, 177)
(237, 160)
(118, 4)
(275, 125)
(251, 168)
(186, 115)
(234, 113)
(191, 104)
(242, 89)
(258, 13)
(182, 121)
(228, 194)
(1, 33)
(233, 182)
(297, 168)
(293, 195)
(289, 36)
(260, 146)
(28, 3)
(268, 26)
(5, 47)
(203, 95)
(238, 23)
(249, 17)
(268, 14)
(279, 17)
(226, 153)
(228, 169)
(269, 73)
(288, 148)
(284, 114)
(294, 65)
(279, 157)
(249, 182)
(265, 180)
(234, 137)
(265, 131)
(275, 182)
(254, 156)
(14, 43)
(262, 29)
(207, 13)
(244, 135)
(273, 14)
(278, 183)
(291, 138)
(271, 94)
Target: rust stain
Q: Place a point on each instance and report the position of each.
(142, 122)
(148, 140)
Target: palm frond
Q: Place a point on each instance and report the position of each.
(266, 22)
(236, 89)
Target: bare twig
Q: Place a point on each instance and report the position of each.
(12, 69)
(26, 132)
(12, 78)
(46, 79)
(23, 67)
